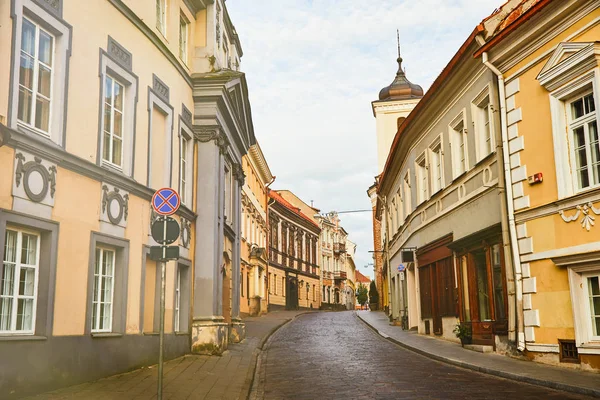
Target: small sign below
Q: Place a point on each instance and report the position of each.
(166, 201)
(170, 253)
(402, 275)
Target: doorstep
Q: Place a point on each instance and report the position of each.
(480, 348)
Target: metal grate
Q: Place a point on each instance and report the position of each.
(568, 351)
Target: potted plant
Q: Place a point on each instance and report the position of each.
(463, 332)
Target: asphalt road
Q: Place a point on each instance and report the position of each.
(333, 355)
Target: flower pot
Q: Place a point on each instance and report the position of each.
(466, 340)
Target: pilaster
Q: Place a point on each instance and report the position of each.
(210, 334)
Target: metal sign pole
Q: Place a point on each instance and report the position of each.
(161, 340)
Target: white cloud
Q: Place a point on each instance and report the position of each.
(314, 66)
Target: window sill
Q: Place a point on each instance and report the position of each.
(182, 333)
(21, 338)
(100, 335)
(459, 176)
(486, 158)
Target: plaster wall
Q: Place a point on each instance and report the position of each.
(7, 157)
(387, 125)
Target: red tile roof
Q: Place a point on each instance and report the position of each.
(513, 18)
(361, 278)
(277, 197)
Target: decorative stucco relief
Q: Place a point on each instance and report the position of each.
(115, 206)
(186, 232)
(34, 180)
(588, 220)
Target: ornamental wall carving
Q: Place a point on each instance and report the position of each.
(585, 212)
(35, 179)
(185, 232)
(114, 206)
(208, 133)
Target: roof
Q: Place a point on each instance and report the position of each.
(401, 88)
(508, 18)
(277, 197)
(360, 278)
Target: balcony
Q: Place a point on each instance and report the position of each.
(339, 275)
(339, 248)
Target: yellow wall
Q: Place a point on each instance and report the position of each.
(7, 157)
(73, 192)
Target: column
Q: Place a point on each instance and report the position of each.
(237, 331)
(209, 331)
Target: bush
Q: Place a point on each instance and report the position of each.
(373, 294)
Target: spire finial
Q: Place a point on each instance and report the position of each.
(398, 34)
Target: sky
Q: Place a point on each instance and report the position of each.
(313, 68)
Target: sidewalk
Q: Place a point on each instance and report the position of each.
(580, 382)
(190, 377)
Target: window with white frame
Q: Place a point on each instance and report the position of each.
(112, 141)
(458, 143)
(407, 194)
(483, 122)
(422, 178)
(399, 214)
(35, 76)
(104, 284)
(183, 38)
(228, 198)
(436, 166)
(19, 282)
(185, 159)
(583, 134)
(178, 300)
(593, 297)
(161, 16)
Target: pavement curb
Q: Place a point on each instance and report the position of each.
(490, 371)
(251, 376)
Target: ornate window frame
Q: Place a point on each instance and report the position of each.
(48, 16)
(572, 68)
(116, 63)
(48, 233)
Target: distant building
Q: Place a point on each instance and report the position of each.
(253, 274)
(293, 272)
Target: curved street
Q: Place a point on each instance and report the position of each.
(334, 355)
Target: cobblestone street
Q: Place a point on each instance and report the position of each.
(335, 355)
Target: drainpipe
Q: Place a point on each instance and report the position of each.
(512, 229)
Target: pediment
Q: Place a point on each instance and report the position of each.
(567, 61)
(563, 51)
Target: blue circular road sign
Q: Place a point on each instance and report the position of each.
(401, 267)
(166, 201)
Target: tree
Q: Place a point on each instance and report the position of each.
(373, 294)
(362, 294)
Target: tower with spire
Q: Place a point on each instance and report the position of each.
(395, 102)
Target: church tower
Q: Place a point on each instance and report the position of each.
(395, 102)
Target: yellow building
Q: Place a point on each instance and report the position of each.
(101, 104)
(254, 232)
(293, 273)
(546, 57)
